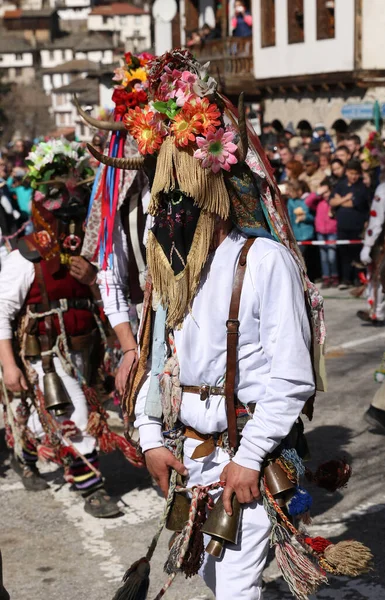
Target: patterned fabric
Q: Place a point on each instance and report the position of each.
(84, 478)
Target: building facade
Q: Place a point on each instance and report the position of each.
(128, 25)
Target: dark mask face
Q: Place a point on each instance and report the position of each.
(70, 218)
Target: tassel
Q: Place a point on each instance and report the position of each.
(136, 582)
(331, 475)
(301, 575)
(170, 565)
(349, 557)
(300, 503)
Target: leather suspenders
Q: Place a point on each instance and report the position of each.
(232, 344)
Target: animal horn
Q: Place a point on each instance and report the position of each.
(134, 164)
(105, 125)
(244, 142)
(85, 181)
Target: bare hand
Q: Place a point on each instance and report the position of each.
(241, 480)
(82, 270)
(158, 462)
(129, 360)
(14, 379)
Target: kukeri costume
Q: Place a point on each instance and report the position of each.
(227, 337)
(59, 333)
(373, 250)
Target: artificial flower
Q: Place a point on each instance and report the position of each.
(184, 87)
(209, 113)
(185, 128)
(145, 57)
(217, 150)
(167, 88)
(140, 124)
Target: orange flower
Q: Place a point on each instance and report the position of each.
(185, 128)
(209, 114)
(140, 124)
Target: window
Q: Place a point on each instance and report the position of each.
(267, 23)
(105, 20)
(138, 20)
(295, 21)
(60, 99)
(19, 56)
(51, 54)
(18, 71)
(325, 19)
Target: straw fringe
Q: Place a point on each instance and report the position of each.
(206, 188)
(177, 292)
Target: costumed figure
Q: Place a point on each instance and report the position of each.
(373, 250)
(118, 222)
(52, 340)
(225, 366)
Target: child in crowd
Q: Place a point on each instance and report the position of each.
(242, 21)
(350, 201)
(301, 219)
(326, 231)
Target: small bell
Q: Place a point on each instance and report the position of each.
(32, 345)
(56, 397)
(180, 509)
(222, 527)
(278, 483)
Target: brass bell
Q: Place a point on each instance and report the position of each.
(180, 509)
(32, 345)
(278, 483)
(56, 397)
(222, 527)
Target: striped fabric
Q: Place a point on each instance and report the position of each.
(29, 454)
(85, 480)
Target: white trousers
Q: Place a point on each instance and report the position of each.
(376, 300)
(237, 575)
(84, 442)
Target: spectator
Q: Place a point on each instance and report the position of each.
(299, 154)
(353, 142)
(294, 169)
(306, 139)
(286, 156)
(343, 153)
(242, 21)
(350, 201)
(326, 230)
(313, 174)
(268, 136)
(194, 39)
(301, 219)
(325, 147)
(22, 190)
(19, 154)
(324, 163)
(289, 132)
(338, 170)
(208, 33)
(320, 135)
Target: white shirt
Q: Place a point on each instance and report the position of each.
(113, 281)
(16, 278)
(274, 364)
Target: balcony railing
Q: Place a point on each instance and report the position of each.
(229, 57)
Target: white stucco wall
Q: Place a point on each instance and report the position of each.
(311, 56)
(74, 14)
(125, 25)
(53, 58)
(373, 34)
(9, 59)
(206, 12)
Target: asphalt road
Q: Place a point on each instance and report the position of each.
(53, 549)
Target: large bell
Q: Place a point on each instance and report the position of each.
(32, 345)
(222, 527)
(278, 483)
(56, 397)
(179, 512)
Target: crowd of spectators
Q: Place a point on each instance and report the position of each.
(328, 191)
(15, 193)
(241, 26)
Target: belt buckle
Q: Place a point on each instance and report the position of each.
(204, 392)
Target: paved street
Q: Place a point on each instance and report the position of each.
(53, 549)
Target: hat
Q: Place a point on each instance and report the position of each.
(290, 128)
(319, 127)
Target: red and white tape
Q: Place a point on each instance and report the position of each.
(329, 242)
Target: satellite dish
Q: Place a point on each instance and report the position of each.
(164, 10)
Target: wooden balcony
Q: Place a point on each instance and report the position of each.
(231, 63)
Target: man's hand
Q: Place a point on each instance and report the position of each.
(129, 361)
(83, 270)
(14, 379)
(158, 462)
(241, 480)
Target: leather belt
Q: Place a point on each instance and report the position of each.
(77, 303)
(204, 391)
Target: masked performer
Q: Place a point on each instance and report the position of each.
(230, 350)
(47, 288)
(118, 222)
(373, 250)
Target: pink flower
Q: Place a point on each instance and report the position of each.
(168, 81)
(184, 87)
(217, 150)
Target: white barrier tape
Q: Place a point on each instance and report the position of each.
(329, 242)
